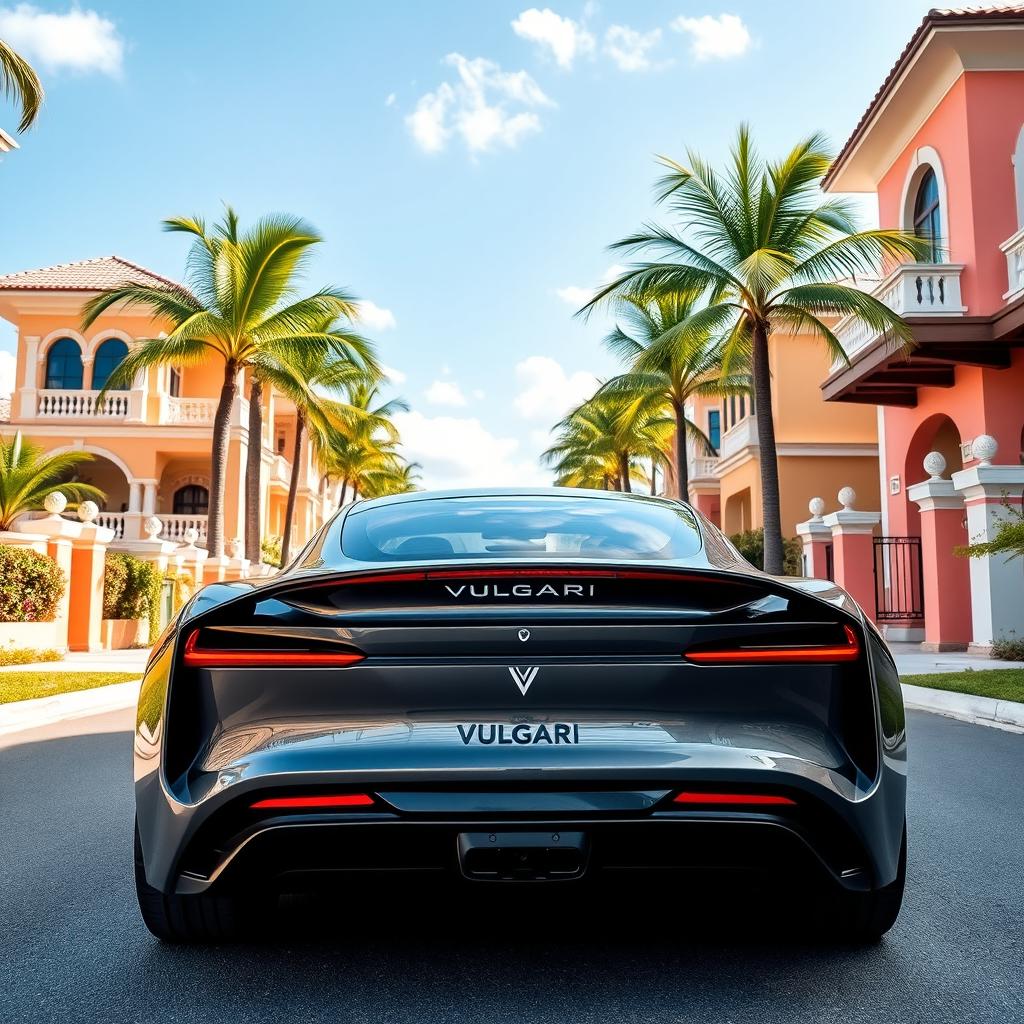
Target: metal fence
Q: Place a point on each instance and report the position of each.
(899, 584)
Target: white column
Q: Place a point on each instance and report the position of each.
(27, 392)
(997, 582)
(148, 497)
(134, 496)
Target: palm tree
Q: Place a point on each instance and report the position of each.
(770, 253)
(673, 362)
(611, 430)
(28, 474)
(19, 81)
(400, 478)
(240, 303)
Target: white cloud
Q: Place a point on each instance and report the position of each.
(629, 48)
(564, 38)
(396, 377)
(78, 40)
(576, 295)
(483, 107)
(7, 365)
(714, 38)
(390, 101)
(376, 317)
(460, 451)
(445, 392)
(547, 391)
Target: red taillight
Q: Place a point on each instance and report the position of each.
(209, 657)
(283, 803)
(734, 799)
(849, 651)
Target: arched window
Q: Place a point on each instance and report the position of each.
(108, 358)
(64, 365)
(927, 218)
(191, 500)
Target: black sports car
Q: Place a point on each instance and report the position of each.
(518, 686)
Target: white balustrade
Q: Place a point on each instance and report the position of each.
(53, 403)
(1013, 248)
(742, 435)
(703, 467)
(174, 526)
(111, 521)
(912, 289)
(190, 411)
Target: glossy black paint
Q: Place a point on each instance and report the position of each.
(609, 666)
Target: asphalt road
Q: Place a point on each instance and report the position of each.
(72, 947)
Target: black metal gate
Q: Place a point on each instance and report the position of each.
(899, 579)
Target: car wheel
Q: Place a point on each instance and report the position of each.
(200, 918)
(866, 917)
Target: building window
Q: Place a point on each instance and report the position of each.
(108, 358)
(191, 500)
(715, 428)
(64, 365)
(174, 383)
(927, 218)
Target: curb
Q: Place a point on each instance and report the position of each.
(30, 714)
(999, 714)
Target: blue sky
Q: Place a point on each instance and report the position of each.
(467, 162)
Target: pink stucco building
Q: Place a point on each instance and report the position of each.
(942, 147)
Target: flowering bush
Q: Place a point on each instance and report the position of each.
(31, 584)
(131, 587)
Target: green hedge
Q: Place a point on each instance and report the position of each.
(31, 585)
(751, 547)
(131, 588)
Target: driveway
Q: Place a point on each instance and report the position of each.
(72, 947)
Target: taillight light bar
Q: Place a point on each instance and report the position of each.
(827, 653)
(209, 657)
(325, 802)
(733, 799)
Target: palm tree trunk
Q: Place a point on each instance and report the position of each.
(624, 472)
(253, 462)
(682, 468)
(654, 475)
(342, 491)
(293, 490)
(771, 513)
(219, 461)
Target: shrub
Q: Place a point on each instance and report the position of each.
(31, 584)
(270, 550)
(1009, 648)
(751, 546)
(28, 655)
(131, 588)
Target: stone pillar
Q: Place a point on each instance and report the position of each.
(190, 558)
(853, 552)
(148, 497)
(28, 393)
(158, 552)
(997, 582)
(88, 566)
(945, 578)
(816, 537)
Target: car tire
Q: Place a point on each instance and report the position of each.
(199, 918)
(866, 917)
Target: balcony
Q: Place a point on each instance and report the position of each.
(54, 403)
(911, 290)
(703, 467)
(1013, 249)
(737, 438)
(192, 412)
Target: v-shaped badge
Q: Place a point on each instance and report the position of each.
(523, 676)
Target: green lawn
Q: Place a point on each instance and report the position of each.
(1000, 683)
(26, 685)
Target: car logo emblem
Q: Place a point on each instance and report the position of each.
(524, 635)
(523, 676)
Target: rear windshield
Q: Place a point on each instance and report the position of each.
(519, 526)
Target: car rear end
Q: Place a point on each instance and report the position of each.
(549, 720)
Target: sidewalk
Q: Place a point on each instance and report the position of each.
(88, 661)
(912, 661)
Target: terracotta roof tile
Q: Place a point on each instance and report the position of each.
(936, 16)
(84, 276)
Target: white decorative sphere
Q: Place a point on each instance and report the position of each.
(816, 506)
(191, 535)
(152, 527)
(984, 449)
(55, 503)
(235, 547)
(847, 496)
(934, 465)
(88, 511)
